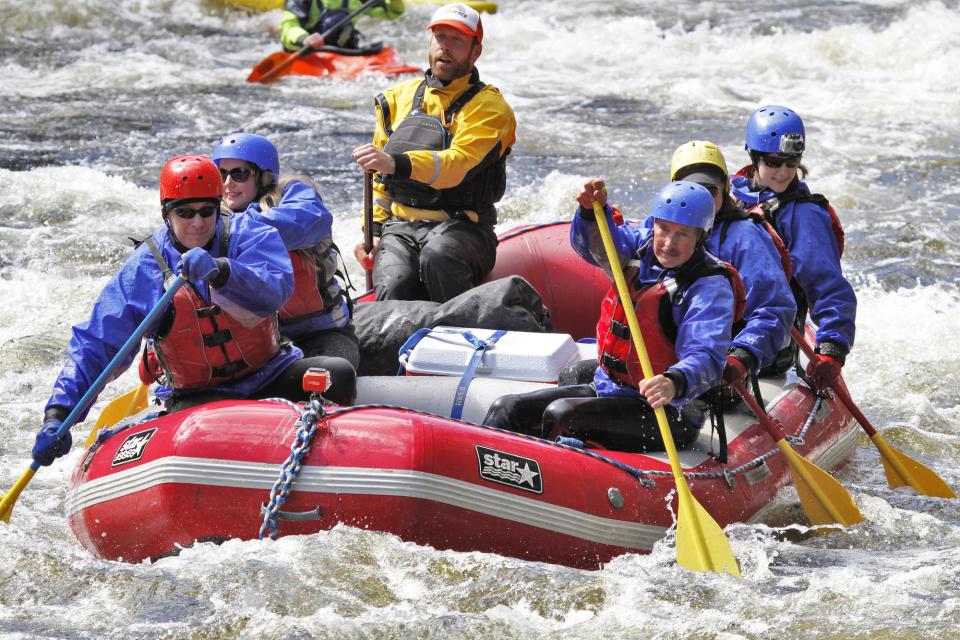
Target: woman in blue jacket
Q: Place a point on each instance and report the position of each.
(219, 339)
(742, 241)
(772, 185)
(317, 316)
(670, 270)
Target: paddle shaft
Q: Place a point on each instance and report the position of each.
(270, 75)
(368, 222)
(132, 343)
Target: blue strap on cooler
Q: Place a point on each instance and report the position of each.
(411, 342)
(479, 347)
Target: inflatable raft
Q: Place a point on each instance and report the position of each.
(398, 463)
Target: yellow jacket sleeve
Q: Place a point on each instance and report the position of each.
(291, 31)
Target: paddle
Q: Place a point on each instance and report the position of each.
(368, 224)
(273, 65)
(701, 543)
(119, 408)
(10, 497)
(823, 499)
(901, 470)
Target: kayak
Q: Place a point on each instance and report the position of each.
(339, 63)
(397, 462)
(270, 5)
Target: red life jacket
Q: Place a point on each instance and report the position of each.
(653, 305)
(306, 299)
(206, 346)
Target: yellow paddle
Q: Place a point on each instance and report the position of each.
(901, 470)
(701, 543)
(119, 408)
(823, 499)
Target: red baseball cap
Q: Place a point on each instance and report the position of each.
(460, 17)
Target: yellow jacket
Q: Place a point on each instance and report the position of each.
(484, 125)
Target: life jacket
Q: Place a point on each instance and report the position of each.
(755, 215)
(653, 305)
(204, 345)
(483, 185)
(314, 289)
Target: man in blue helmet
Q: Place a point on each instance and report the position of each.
(772, 186)
(303, 22)
(686, 306)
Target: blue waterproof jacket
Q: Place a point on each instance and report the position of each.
(807, 232)
(261, 279)
(704, 315)
(304, 222)
(770, 306)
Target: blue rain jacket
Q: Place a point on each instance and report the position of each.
(770, 306)
(304, 222)
(807, 232)
(261, 279)
(704, 317)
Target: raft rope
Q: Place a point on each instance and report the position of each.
(312, 417)
(643, 476)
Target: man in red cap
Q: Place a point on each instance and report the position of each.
(439, 149)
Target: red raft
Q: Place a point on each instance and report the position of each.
(162, 483)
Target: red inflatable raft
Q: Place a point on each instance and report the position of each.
(397, 463)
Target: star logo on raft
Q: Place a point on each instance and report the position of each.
(509, 469)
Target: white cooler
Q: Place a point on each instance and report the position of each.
(516, 355)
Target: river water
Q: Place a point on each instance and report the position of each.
(94, 97)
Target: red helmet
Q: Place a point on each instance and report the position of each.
(190, 177)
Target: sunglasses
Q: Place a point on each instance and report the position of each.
(775, 162)
(239, 174)
(186, 213)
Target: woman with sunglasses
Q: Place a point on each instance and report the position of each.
(218, 340)
(772, 186)
(317, 316)
(737, 239)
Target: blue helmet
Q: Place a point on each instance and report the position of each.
(684, 203)
(775, 129)
(251, 148)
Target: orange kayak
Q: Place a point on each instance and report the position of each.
(386, 62)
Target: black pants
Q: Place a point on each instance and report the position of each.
(621, 424)
(341, 343)
(289, 385)
(436, 261)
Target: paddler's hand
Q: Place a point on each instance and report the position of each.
(592, 191)
(314, 41)
(373, 159)
(658, 390)
(366, 259)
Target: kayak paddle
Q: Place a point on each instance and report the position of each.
(701, 543)
(273, 66)
(10, 497)
(823, 499)
(901, 470)
(119, 408)
(368, 223)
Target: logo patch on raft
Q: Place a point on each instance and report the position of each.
(132, 448)
(509, 469)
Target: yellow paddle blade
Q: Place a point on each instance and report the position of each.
(701, 543)
(131, 402)
(823, 499)
(903, 471)
(10, 497)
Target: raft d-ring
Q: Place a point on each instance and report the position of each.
(313, 514)
(731, 480)
(615, 498)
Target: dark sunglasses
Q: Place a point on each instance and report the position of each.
(775, 162)
(239, 174)
(186, 213)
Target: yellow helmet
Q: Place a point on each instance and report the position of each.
(698, 152)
